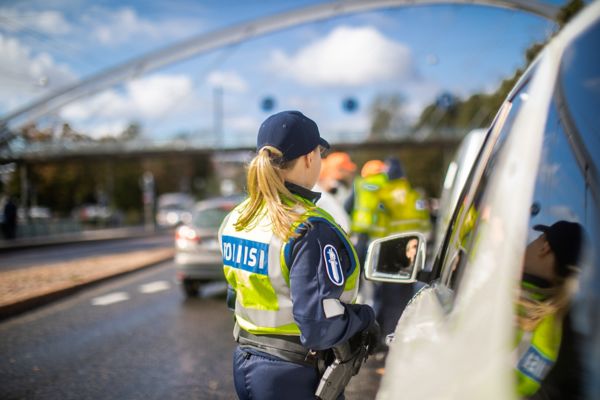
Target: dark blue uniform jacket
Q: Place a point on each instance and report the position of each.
(310, 284)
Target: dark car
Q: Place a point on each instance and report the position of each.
(197, 252)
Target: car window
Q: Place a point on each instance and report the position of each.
(577, 102)
(560, 187)
(580, 85)
(210, 217)
(454, 258)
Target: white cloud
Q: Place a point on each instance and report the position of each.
(346, 57)
(25, 75)
(150, 99)
(229, 81)
(157, 94)
(107, 104)
(46, 22)
(123, 25)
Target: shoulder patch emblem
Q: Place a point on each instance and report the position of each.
(333, 265)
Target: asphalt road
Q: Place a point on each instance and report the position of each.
(134, 337)
(22, 258)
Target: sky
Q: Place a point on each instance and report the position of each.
(416, 53)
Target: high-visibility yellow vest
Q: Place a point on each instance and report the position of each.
(368, 214)
(406, 208)
(537, 352)
(254, 263)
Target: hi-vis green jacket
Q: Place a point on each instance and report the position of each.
(537, 351)
(303, 287)
(368, 214)
(407, 210)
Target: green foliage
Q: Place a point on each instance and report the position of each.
(386, 111)
(126, 191)
(476, 111)
(65, 185)
(179, 174)
(569, 11)
(133, 131)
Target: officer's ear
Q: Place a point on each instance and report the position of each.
(545, 248)
(309, 158)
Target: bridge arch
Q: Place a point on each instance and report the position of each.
(205, 42)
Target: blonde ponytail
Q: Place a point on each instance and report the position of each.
(532, 312)
(267, 193)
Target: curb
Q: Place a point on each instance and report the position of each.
(14, 309)
(77, 238)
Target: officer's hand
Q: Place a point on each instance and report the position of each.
(372, 336)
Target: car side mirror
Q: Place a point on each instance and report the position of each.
(396, 258)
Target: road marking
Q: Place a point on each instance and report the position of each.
(154, 287)
(110, 299)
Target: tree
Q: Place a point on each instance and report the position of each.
(387, 115)
(569, 11)
(132, 132)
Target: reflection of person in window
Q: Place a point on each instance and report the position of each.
(550, 263)
(411, 253)
(399, 258)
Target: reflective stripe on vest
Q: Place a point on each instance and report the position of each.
(536, 354)
(255, 266)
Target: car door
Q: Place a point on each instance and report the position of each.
(538, 163)
(568, 188)
(459, 325)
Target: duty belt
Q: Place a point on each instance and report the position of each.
(287, 348)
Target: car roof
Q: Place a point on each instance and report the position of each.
(217, 201)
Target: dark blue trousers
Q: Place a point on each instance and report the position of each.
(261, 376)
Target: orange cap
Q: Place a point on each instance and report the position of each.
(336, 164)
(372, 167)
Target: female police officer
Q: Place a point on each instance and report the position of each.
(293, 270)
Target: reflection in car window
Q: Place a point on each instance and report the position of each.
(580, 83)
(465, 225)
(561, 195)
(560, 184)
(579, 102)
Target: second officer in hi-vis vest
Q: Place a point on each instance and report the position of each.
(292, 269)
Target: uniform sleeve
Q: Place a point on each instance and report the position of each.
(323, 319)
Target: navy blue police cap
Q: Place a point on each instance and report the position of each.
(565, 239)
(292, 133)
